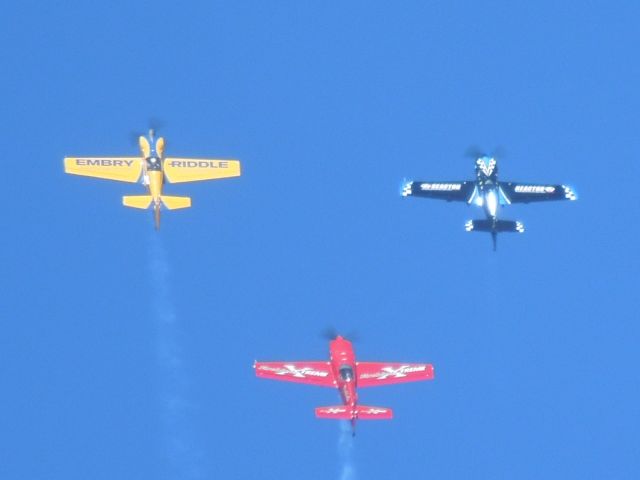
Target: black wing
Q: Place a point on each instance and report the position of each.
(518, 192)
(449, 191)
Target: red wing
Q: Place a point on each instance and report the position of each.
(313, 373)
(371, 374)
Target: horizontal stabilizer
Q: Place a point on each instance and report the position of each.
(361, 412)
(497, 226)
(374, 413)
(137, 201)
(174, 203)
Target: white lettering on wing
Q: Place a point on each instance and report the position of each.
(534, 189)
(294, 371)
(390, 372)
(442, 187)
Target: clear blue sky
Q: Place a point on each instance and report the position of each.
(127, 354)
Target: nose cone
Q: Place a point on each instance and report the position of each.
(341, 349)
(342, 342)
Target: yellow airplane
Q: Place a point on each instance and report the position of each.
(152, 168)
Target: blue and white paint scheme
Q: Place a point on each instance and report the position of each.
(489, 194)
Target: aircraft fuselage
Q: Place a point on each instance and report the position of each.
(343, 364)
(152, 174)
(487, 193)
(344, 369)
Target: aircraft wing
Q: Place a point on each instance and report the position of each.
(449, 191)
(123, 169)
(518, 192)
(178, 170)
(372, 374)
(313, 373)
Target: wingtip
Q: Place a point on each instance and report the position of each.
(569, 193)
(406, 188)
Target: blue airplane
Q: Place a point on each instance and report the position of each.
(489, 194)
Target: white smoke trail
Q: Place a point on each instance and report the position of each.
(345, 450)
(183, 456)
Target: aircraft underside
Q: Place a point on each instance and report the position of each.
(489, 194)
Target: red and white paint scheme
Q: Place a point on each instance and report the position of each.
(344, 373)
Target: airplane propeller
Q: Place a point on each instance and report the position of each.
(331, 333)
(154, 124)
(476, 152)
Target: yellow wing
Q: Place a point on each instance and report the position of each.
(179, 170)
(123, 169)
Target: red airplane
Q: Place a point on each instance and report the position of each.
(345, 374)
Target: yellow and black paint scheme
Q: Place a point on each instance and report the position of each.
(152, 168)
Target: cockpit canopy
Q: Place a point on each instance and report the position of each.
(153, 163)
(346, 373)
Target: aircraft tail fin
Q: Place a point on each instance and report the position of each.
(137, 201)
(174, 203)
(494, 226)
(360, 412)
